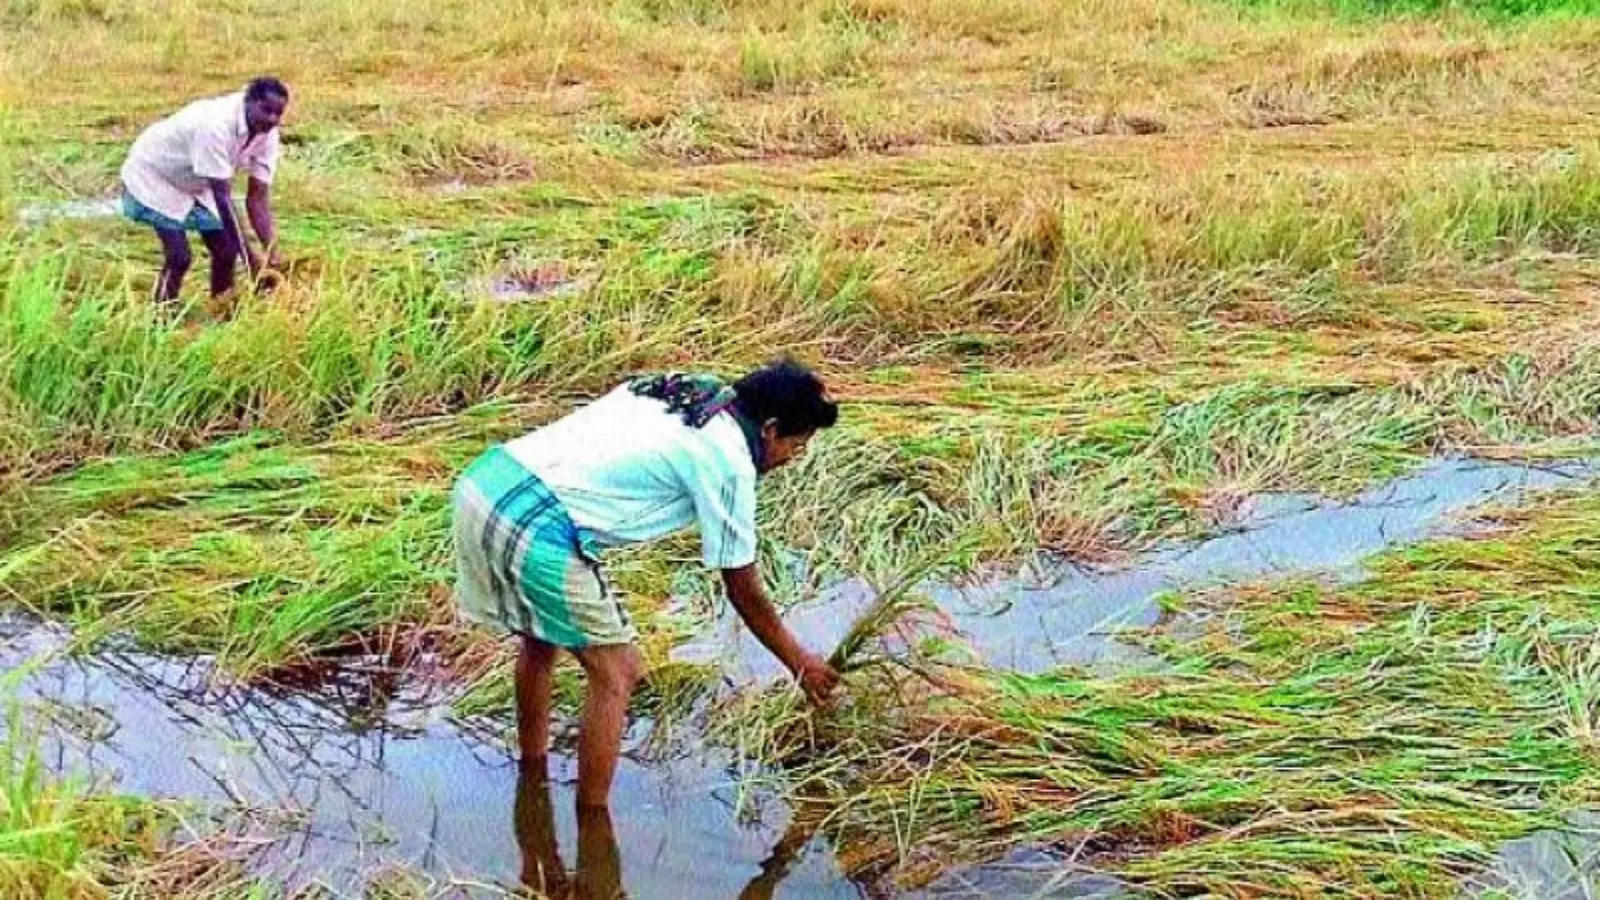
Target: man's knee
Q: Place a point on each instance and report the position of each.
(619, 672)
(540, 648)
(537, 653)
(633, 667)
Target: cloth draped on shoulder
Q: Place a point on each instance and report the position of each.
(695, 398)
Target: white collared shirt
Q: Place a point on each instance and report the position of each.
(627, 470)
(170, 161)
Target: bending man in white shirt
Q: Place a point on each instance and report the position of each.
(179, 177)
(653, 456)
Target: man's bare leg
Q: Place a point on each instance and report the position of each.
(224, 250)
(612, 672)
(536, 663)
(175, 260)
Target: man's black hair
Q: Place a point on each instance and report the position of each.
(789, 392)
(266, 86)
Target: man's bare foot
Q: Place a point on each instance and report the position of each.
(221, 306)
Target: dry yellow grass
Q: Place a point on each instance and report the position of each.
(482, 90)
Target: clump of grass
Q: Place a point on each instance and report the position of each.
(892, 604)
(356, 353)
(455, 152)
(41, 13)
(1503, 9)
(258, 556)
(697, 12)
(788, 62)
(60, 838)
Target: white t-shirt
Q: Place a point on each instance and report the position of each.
(170, 161)
(628, 470)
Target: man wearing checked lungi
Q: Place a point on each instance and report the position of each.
(654, 456)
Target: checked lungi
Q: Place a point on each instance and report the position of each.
(523, 566)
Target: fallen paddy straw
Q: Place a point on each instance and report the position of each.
(894, 602)
(1377, 739)
(1086, 274)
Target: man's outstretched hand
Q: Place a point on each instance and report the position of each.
(267, 270)
(816, 677)
(749, 598)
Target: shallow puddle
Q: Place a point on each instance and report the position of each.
(84, 208)
(378, 781)
(1056, 613)
(1027, 873)
(520, 284)
(1549, 865)
(380, 776)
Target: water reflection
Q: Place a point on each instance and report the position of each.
(542, 869)
(376, 775)
(598, 873)
(785, 853)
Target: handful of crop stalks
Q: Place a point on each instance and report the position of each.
(894, 602)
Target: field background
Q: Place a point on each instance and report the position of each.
(1085, 275)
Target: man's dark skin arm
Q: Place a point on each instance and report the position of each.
(749, 598)
(222, 193)
(258, 206)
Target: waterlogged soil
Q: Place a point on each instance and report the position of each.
(371, 771)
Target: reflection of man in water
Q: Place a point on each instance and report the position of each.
(651, 457)
(599, 872)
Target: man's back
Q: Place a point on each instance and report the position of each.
(169, 162)
(629, 470)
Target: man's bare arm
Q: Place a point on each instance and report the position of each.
(258, 206)
(749, 599)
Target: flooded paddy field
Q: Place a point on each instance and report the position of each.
(375, 771)
(1220, 391)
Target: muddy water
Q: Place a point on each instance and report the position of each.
(1055, 613)
(378, 775)
(378, 780)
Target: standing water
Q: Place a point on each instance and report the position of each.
(375, 774)
(370, 779)
(1060, 613)
(83, 208)
(1547, 865)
